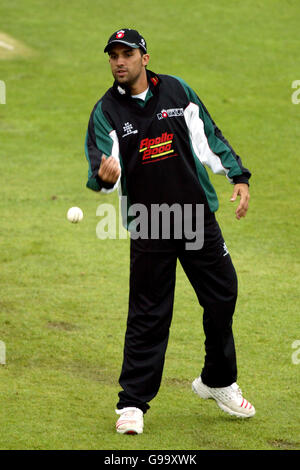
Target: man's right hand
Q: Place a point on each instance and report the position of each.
(109, 170)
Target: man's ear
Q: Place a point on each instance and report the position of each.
(145, 59)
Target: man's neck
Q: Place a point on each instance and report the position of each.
(141, 84)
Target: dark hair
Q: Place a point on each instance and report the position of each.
(140, 49)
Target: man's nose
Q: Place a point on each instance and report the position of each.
(120, 61)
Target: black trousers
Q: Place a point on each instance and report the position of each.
(152, 283)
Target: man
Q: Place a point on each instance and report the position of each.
(152, 137)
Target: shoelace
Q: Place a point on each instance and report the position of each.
(236, 391)
(232, 392)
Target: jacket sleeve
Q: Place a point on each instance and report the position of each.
(208, 142)
(101, 140)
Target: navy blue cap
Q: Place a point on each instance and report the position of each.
(130, 37)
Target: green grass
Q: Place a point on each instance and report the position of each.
(63, 302)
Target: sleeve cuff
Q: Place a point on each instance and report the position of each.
(96, 184)
(239, 179)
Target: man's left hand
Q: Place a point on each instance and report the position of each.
(241, 190)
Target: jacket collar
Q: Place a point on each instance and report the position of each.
(124, 93)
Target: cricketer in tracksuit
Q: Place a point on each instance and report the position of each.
(163, 145)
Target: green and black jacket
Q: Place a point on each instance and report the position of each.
(163, 145)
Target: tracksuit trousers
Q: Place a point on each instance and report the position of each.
(152, 283)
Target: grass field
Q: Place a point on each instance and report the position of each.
(63, 302)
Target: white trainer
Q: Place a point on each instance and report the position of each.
(229, 399)
(131, 421)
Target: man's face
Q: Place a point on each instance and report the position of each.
(127, 64)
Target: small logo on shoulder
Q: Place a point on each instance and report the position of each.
(169, 113)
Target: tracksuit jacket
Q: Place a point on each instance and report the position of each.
(163, 145)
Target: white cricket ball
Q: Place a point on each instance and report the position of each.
(74, 215)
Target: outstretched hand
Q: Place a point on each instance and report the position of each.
(241, 190)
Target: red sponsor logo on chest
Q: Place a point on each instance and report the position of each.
(157, 148)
